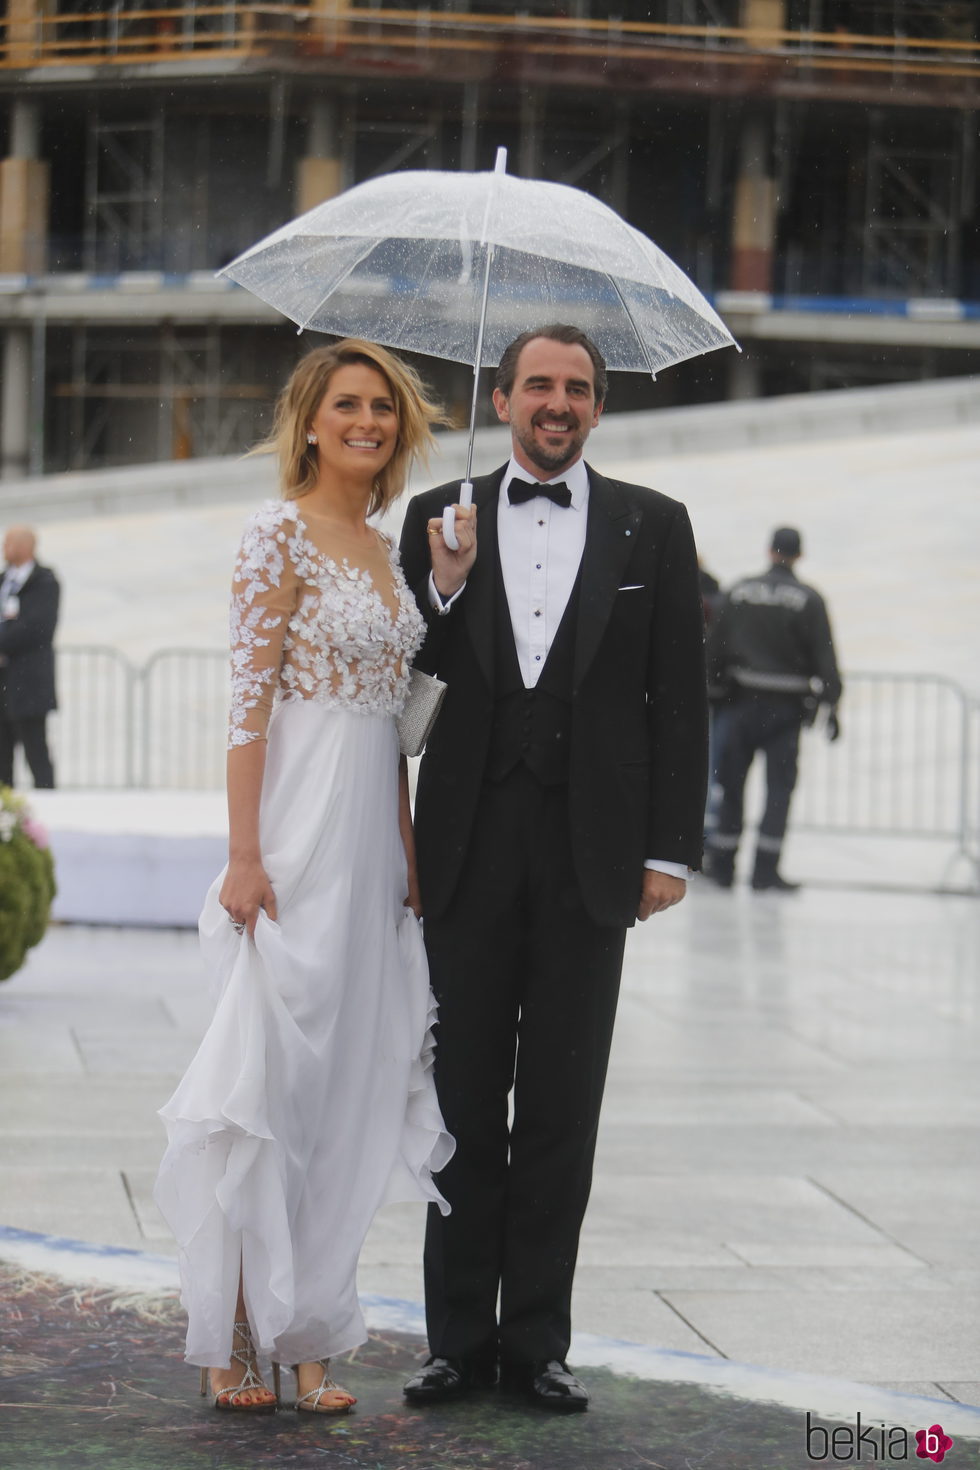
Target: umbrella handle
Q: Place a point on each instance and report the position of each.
(449, 516)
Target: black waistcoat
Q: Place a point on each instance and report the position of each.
(532, 725)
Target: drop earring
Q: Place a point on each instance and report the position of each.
(310, 437)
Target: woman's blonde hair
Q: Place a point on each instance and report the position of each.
(299, 400)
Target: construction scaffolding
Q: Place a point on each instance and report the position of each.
(885, 37)
(186, 392)
(123, 193)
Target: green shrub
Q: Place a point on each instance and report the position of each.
(27, 883)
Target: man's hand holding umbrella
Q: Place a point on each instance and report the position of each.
(451, 568)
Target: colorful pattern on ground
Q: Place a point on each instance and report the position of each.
(92, 1379)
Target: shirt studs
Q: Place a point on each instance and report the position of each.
(629, 533)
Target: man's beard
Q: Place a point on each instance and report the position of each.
(555, 459)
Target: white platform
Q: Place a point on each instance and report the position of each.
(133, 857)
(147, 858)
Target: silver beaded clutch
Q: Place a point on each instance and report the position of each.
(422, 704)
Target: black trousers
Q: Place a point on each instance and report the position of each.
(757, 722)
(527, 986)
(31, 734)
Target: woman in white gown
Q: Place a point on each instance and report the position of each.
(311, 1100)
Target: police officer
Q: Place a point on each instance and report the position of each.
(771, 663)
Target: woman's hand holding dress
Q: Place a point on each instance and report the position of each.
(247, 889)
(413, 899)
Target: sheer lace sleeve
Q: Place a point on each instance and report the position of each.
(264, 595)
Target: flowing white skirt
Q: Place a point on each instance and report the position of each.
(311, 1100)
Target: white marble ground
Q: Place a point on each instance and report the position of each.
(788, 1167)
(891, 528)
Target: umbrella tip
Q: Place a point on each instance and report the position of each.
(500, 167)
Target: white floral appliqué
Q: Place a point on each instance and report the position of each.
(304, 626)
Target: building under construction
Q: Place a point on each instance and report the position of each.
(812, 164)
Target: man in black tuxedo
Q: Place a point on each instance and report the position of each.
(560, 799)
(29, 596)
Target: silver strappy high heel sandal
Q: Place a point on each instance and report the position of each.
(312, 1402)
(243, 1352)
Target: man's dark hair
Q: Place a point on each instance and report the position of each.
(556, 332)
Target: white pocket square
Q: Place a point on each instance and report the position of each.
(633, 587)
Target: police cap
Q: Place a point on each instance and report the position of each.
(786, 541)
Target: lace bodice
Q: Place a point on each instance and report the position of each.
(304, 626)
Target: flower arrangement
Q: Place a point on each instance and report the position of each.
(27, 883)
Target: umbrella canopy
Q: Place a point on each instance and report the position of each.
(403, 260)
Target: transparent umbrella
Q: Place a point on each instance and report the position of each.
(456, 265)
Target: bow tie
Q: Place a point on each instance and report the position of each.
(520, 491)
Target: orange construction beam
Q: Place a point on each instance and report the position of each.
(474, 32)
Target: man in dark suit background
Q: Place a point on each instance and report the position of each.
(29, 596)
(560, 798)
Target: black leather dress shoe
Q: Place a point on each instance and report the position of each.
(550, 1385)
(441, 1379)
(774, 883)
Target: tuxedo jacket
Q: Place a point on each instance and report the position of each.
(27, 678)
(638, 738)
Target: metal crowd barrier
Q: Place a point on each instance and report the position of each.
(907, 765)
(902, 766)
(93, 734)
(156, 727)
(184, 695)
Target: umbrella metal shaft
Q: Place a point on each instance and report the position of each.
(499, 167)
(479, 360)
(466, 488)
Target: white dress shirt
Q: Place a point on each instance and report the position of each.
(541, 545)
(14, 578)
(11, 582)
